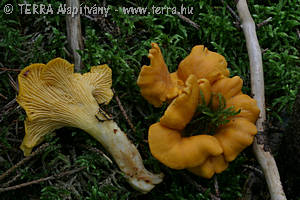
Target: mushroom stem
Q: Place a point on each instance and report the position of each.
(125, 155)
(53, 97)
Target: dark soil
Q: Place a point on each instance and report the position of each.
(289, 155)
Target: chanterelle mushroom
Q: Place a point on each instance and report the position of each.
(53, 96)
(206, 72)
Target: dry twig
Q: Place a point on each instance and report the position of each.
(198, 187)
(5, 110)
(237, 18)
(4, 97)
(187, 20)
(13, 83)
(9, 104)
(7, 69)
(17, 127)
(14, 140)
(123, 111)
(265, 159)
(66, 173)
(74, 33)
(97, 151)
(10, 170)
(11, 181)
(264, 50)
(68, 53)
(264, 22)
(254, 169)
(216, 185)
(247, 189)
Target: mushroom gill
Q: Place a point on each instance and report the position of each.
(53, 96)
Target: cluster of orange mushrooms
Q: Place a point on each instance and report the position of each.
(205, 72)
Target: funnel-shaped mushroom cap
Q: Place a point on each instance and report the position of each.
(206, 79)
(100, 79)
(235, 136)
(247, 106)
(155, 81)
(182, 109)
(165, 140)
(53, 97)
(177, 152)
(204, 64)
(212, 165)
(227, 87)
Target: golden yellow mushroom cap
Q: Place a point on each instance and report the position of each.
(227, 87)
(53, 96)
(183, 107)
(100, 80)
(205, 77)
(177, 152)
(203, 64)
(247, 106)
(235, 136)
(165, 140)
(155, 81)
(214, 164)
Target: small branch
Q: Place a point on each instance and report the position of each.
(97, 151)
(4, 97)
(237, 18)
(123, 111)
(11, 181)
(42, 180)
(17, 127)
(298, 32)
(254, 169)
(74, 33)
(216, 185)
(13, 83)
(5, 110)
(68, 53)
(198, 187)
(9, 104)
(7, 69)
(247, 189)
(264, 22)
(264, 50)
(265, 159)
(14, 140)
(90, 18)
(10, 170)
(187, 20)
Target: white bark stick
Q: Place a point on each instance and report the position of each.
(74, 33)
(265, 159)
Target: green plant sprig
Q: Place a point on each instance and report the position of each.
(207, 120)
